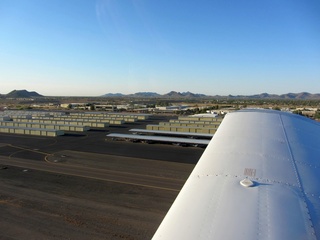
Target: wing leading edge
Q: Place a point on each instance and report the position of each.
(279, 153)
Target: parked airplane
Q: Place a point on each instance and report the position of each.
(259, 178)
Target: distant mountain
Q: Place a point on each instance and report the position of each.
(260, 96)
(192, 95)
(113, 95)
(303, 95)
(174, 94)
(145, 94)
(171, 94)
(138, 94)
(184, 95)
(297, 96)
(22, 94)
(264, 96)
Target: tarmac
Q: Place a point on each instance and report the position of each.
(85, 186)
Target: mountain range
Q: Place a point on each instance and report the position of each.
(302, 96)
(177, 95)
(171, 94)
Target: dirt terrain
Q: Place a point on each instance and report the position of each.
(82, 186)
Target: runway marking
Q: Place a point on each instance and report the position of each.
(15, 153)
(46, 158)
(51, 144)
(22, 149)
(127, 173)
(3, 144)
(116, 181)
(27, 149)
(104, 155)
(16, 163)
(108, 170)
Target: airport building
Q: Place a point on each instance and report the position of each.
(32, 131)
(186, 131)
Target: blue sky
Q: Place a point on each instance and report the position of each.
(89, 48)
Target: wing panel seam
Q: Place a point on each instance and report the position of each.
(303, 194)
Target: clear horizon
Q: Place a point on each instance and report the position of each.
(91, 48)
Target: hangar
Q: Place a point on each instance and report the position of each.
(171, 133)
(177, 140)
(32, 131)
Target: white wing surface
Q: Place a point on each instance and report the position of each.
(280, 154)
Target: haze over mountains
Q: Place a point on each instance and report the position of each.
(176, 95)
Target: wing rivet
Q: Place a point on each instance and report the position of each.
(247, 183)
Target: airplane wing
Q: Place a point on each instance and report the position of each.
(259, 178)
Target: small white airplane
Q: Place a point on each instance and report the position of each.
(259, 178)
